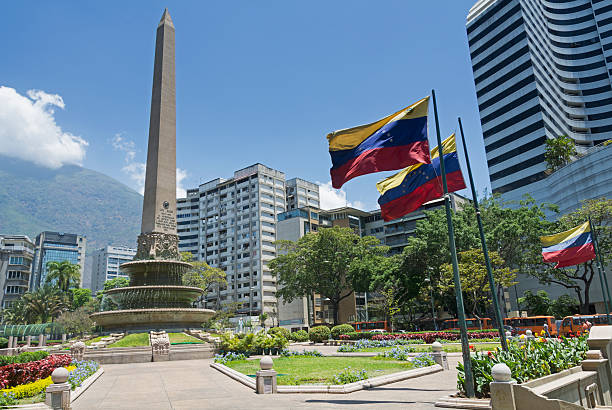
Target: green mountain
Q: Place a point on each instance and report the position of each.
(69, 199)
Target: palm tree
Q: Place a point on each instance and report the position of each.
(44, 304)
(64, 273)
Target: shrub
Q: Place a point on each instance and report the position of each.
(3, 342)
(280, 342)
(24, 357)
(286, 333)
(299, 336)
(30, 389)
(336, 331)
(229, 357)
(423, 360)
(23, 373)
(319, 334)
(81, 372)
(349, 376)
(531, 360)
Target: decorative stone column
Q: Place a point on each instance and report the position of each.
(77, 350)
(63, 338)
(508, 335)
(502, 393)
(28, 340)
(529, 334)
(41, 340)
(10, 342)
(439, 355)
(160, 346)
(265, 381)
(58, 393)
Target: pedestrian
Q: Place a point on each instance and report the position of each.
(546, 330)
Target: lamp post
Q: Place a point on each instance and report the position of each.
(433, 310)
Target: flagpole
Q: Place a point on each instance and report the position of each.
(485, 251)
(602, 275)
(465, 347)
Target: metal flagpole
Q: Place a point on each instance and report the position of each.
(465, 347)
(602, 275)
(485, 251)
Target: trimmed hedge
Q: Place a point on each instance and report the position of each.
(426, 337)
(299, 336)
(24, 357)
(280, 331)
(319, 334)
(336, 331)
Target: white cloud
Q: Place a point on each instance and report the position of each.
(335, 198)
(180, 175)
(136, 171)
(28, 130)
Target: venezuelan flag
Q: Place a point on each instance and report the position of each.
(392, 143)
(410, 188)
(569, 248)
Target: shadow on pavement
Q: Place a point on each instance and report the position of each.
(365, 402)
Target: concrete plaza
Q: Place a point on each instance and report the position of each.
(192, 384)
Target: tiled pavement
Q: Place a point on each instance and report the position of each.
(192, 384)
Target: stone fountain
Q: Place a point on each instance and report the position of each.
(156, 298)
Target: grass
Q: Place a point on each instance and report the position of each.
(183, 338)
(321, 370)
(95, 339)
(132, 340)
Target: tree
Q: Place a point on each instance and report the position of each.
(565, 305)
(579, 278)
(201, 275)
(537, 304)
(474, 278)
(332, 262)
(64, 274)
(262, 319)
(559, 151)
(44, 304)
(77, 321)
(80, 297)
(106, 303)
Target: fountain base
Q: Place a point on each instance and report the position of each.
(152, 319)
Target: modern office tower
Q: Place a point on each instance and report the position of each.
(58, 247)
(542, 68)
(231, 224)
(16, 255)
(106, 262)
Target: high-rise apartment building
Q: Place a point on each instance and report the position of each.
(542, 69)
(16, 255)
(58, 247)
(106, 262)
(231, 224)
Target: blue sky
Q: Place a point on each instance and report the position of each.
(256, 81)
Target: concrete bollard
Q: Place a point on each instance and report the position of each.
(502, 393)
(439, 355)
(58, 393)
(265, 380)
(529, 334)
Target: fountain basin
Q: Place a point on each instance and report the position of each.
(166, 318)
(154, 297)
(155, 272)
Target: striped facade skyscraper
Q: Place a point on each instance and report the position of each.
(542, 68)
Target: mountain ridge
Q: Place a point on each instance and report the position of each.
(69, 199)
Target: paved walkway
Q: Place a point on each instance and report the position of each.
(192, 384)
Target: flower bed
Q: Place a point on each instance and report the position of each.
(530, 360)
(79, 372)
(304, 353)
(21, 373)
(430, 337)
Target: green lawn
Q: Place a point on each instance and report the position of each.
(95, 339)
(183, 338)
(321, 370)
(132, 340)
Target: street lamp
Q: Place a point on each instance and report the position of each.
(433, 310)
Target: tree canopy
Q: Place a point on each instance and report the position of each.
(559, 151)
(332, 262)
(65, 274)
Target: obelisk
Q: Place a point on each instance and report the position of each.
(158, 238)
